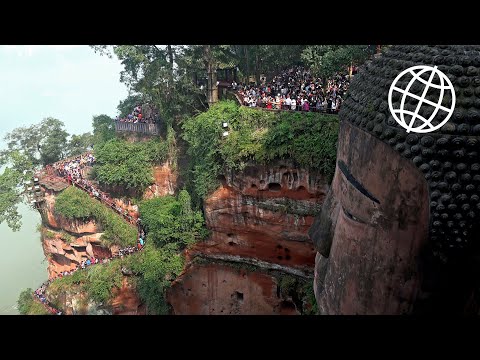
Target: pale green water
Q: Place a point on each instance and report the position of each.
(22, 263)
(53, 81)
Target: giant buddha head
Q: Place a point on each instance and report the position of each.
(399, 229)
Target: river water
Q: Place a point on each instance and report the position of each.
(22, 263)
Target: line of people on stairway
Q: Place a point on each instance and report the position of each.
(73, 170)
(40, 292)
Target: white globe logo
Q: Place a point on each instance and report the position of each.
(444, 86)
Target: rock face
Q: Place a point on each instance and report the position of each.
(215, 289)
(165, 182)
(55, 221)
(260, 217)
(67, 243)
(125, 302)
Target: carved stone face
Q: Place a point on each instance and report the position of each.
(373, 225)
(399, 230)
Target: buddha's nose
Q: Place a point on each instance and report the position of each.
(322, 230)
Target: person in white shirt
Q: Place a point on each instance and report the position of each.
(293, 104)
(288, 102)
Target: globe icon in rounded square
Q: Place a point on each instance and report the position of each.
(421, 99)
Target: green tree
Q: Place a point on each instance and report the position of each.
(326, 60)
(126, 164)
(127, 105)
(27, 304)
(12, 184)
(156, 267)
(79, 144)
(42, 143)
(165, 75)
(171, 220)
(103, 129)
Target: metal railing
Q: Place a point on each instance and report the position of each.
(143, 128)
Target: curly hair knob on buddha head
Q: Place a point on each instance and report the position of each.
(448, 157)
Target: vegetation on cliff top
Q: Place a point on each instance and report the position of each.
(309, 139)
(28, 306)
(171, 220)
(157, 268)
(128, 164)
(96, 282)
(171, 225)
(75, 204)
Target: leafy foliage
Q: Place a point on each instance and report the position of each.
(266, 59)
(97, 282)
(41, 143)
(169, 220)
(127, 164)
(259, 136)
(103, 129)
(101, 280)
(10, 197)
(326, 60)
(156, 267)
(126, 106)
(27, 149)
(74, 203)
(27, 304)
(79, 144)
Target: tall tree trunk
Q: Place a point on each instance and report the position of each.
(170, 75)
(212, 88)
(257, 68)
(247, 61)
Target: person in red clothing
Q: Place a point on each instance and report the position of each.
(269, 103)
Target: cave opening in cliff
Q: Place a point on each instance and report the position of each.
(239, 295)
(274, 187)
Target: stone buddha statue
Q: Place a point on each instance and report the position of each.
(399, 229)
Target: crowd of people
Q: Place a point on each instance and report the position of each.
(40, 295)
(73, 170)
(40, 292)
(296, 89)
(141, 114)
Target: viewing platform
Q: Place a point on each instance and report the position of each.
(141, 128)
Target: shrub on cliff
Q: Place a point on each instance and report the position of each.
(75, 204)
(171, 220)
(27, 304)
(156, 268)
(128, 164)
(255, 135)
(97, 283)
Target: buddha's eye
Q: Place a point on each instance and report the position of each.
(350, 216)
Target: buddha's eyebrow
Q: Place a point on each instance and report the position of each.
(343, 167)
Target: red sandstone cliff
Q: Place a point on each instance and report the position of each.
(125, 302)
(259, 218)
(66, 243)
(258, 246)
